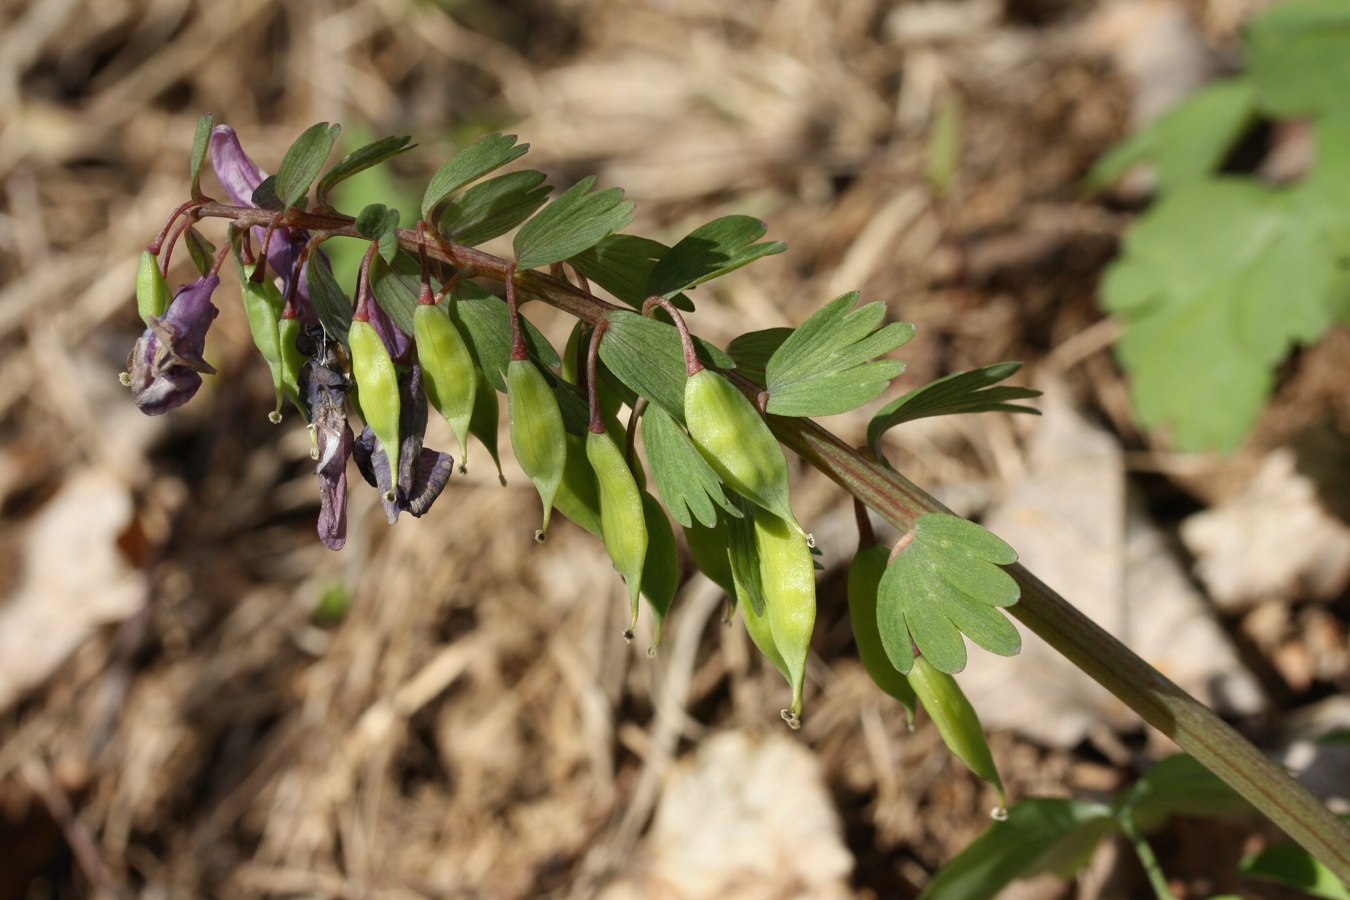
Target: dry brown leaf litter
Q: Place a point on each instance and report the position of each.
(474, 726)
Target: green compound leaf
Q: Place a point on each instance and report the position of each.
(494, 207)
(1041, 834)
(647, 357)
(486, 324)
(1180, 786)
(827, 365)
(946, 583)
(303, 162)
(397, 285)
(960, 392)
(201, 143)
(330, 302)
(708, 252)
(265, 195)
(468, 165)
(360, 159)
(1292, 865)
(380, 223)
(570, 224)
(1217, 282)
(622, 265)
(1188, 142)
(1298, 55)
(753, 350)
(687, 483)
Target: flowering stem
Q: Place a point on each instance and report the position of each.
(1160, 702)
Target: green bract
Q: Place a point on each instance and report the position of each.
(736, 442)
(377, 387)
(537, 433)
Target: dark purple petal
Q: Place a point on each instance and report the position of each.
(238, 174)
(325, 388)
(165, 366)
(429, 479)
(373, 464)
(395, 341)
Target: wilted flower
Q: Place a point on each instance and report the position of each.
(165, 367)
(423, 473)
(325, 387)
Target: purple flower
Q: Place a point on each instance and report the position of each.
(423, 473)
(165, 367)
(325, 387)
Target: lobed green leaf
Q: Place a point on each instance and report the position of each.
(947, 583)
(1291, 865)
(753, 350)
(622, 265)
(303, 162)
(331, 304)
(380, 224)
(360, 159)
(493, 208)
(570, 224)
(1298, 54)
(687, 483)
(486, 324)
(827, 365)
(647, 356)
(960, 392)
(708, 252)
(397, 284)
(468, 165)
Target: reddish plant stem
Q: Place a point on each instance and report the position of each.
(597, 424)
(692, 364)
(892, 496)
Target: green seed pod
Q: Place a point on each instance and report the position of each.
(578, 496)
(788, 576)
(292, 361)
(661, 568)
(757, 626)
(956, 721)
(448, 369)
(622, 523)
(152, 291)
(537, 433)
(263, 304)
(864, 575)
(376, 387)
(483, 423)
(737, 443)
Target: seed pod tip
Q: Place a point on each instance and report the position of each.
(793, 720)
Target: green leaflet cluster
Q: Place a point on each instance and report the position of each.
(420, 334)
(1226, 273)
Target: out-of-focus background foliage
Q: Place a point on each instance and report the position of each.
(198, 700)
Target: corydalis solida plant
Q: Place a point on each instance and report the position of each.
(619, 358)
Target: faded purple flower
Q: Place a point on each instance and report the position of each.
(164, 369)
(240, 176)
(423, 473)
(325, 388)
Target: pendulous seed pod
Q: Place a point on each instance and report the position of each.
(788, 578)
(450, 374)
(956, 721)
(623, 525)
(376, 388)
(263, 304)
(292, 361)
(864, 576)
(152, 291)
(537, 433)
(737, 443)
(661, 567)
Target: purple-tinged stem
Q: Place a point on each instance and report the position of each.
(692, 364)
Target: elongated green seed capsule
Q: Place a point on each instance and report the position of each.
(537, 433)
(578, 496)
(483, 424)
(377, 388)
(788, 577)
(292, 361)
(622, 523)
(757, 626)
(263, 304)
(864, 575)
(152, 291)
(661, 568)
(448, 369)
(956, 721)
(736, 442)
